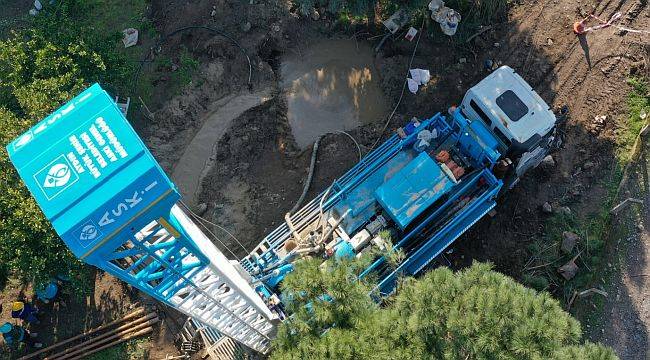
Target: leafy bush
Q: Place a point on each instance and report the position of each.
(41, 67)
(476, 313)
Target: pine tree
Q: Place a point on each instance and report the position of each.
(476, 313)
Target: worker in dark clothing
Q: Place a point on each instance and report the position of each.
(24, 311)
(14, 335)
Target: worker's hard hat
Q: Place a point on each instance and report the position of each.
(5, 328)
(17, 306)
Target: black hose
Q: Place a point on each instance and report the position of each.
(183, 29)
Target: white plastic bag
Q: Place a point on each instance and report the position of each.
(130, 37)
(420, 76)
(413, 86)
(448, 19)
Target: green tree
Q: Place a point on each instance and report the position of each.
(476, 313)
(41, 67)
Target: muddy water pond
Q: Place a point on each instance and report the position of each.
(331, 86)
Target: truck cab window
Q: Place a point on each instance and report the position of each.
(510, 104)
(481, 113)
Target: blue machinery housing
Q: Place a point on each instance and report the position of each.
(98, 184)
(427, 208)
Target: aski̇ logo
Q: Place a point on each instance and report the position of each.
(57, 176)
(125, 205)
(88, 232)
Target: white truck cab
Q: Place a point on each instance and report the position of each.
(517, 116)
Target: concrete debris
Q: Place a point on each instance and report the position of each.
(201, 209)
(592, 291)
(548, 162)
(130, 37)
(569, 240)
(246, 27)
(547, 208)
(598, 124)
(568, 270)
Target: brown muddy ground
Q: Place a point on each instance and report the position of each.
(258, 169)
(252, 171)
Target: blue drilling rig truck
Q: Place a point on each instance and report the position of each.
(416, 193)
(421, 189)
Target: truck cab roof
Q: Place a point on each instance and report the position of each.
(511, 105)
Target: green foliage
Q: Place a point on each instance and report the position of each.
(41, 67)
(638, 103)
(472, 314)
(187, 65)
(594, 228)
(474, 13)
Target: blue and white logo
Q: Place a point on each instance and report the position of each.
(87, 232)
(57, 176)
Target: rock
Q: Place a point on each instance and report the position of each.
(315, 15)
(548, 162)
(201, 209)
(564, 210)
(568, 270)
(569, 240)
(275, 28)
(462, 60)
(549, 41)
(547, 208)
(246, 27)
(643, 115)
(496, 45)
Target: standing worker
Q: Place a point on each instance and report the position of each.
(24, 311)
(14, 335)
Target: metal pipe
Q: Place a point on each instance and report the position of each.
(119, 341)
(333, 227)
(287, 218)
(124, 329)
(87, 333)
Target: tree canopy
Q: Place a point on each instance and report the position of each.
(41, 67)
(475, 313)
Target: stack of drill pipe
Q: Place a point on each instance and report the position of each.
(134, 324)
(116, 336)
